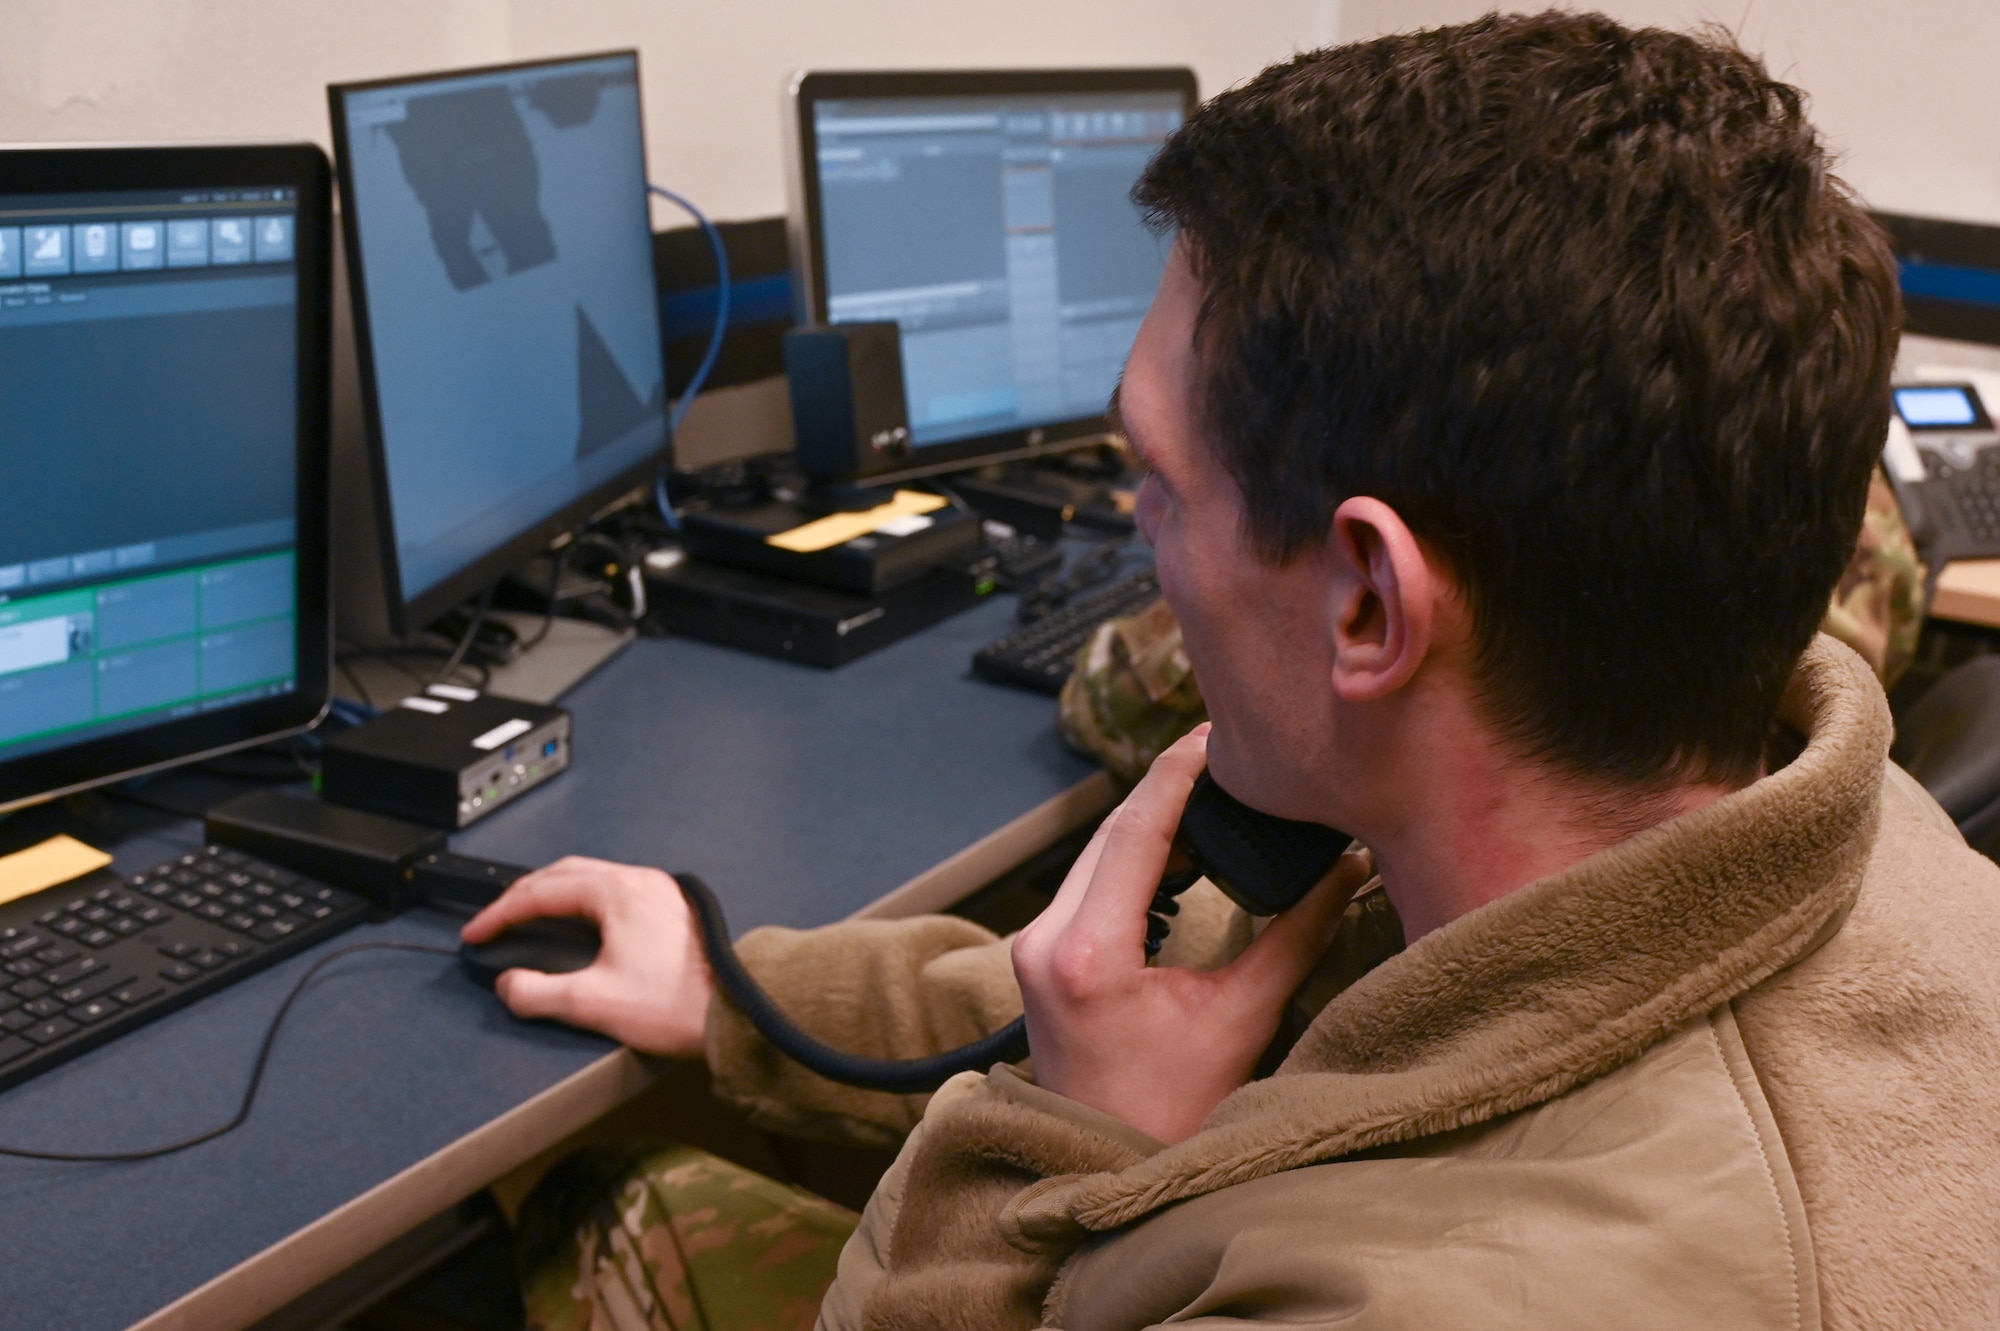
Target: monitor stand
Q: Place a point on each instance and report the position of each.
(573, 649)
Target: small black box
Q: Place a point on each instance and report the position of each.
(849, 416)
(870, 563)
(755, 612)
(447, 757)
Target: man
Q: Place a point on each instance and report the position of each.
(1510, 399)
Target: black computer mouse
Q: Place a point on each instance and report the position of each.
(553, 946)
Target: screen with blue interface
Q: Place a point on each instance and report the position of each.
(506, 258)
(1935, 408)
(997, 232)
(148, 446)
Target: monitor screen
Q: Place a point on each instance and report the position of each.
(1943, 408)
(151, 409)
(993, 224)
(501, 255)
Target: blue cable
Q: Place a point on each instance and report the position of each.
(715, 337)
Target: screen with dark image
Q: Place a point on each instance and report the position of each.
(505, 253)
(997, 232)
(148, 442)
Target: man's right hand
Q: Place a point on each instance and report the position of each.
(650, 986)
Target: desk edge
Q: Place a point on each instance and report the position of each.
(951, 881)
(268, 1280)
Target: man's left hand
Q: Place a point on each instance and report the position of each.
(1157, 1046)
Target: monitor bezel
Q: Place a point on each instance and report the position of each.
(48, 773)
(807, 233)
(407, 615)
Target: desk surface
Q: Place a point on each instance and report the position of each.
(801, 796)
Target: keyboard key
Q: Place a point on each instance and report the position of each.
(188, 900)
(238, 880)
(291, 900)
(139, 991)
(8, 1002)
(103, 894)
(11, 1049)
(180, 972)
(240, 922)
(97, 1009)
(44, 1008)
(21, 945)
(28, 989)
(96, 914)
(213, 910)
(182, 878)
(97, 938)
(16, 1020)
(211, 889)
(179, 951)
(317, 911)
(270, 931)
(150, 915)
(49, 1031)
(49, 916)
(235, 859)
(102, 982)
(125, 902)
(233, 949)
(63, 976)
(24, 968)
(125, 926)
(262, 890)
(264, 910)
(207, 960)
(69, 926)
(56, 955)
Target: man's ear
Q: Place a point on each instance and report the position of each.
(1386, 592)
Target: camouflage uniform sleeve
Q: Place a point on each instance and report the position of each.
(1132, 693)
(1878, 608)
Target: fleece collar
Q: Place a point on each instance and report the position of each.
(1554, 984)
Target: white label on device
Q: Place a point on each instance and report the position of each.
(1899, 453)
(38, 642)
(454, 692)
(908, 524)
(431, 705)
(501, 733)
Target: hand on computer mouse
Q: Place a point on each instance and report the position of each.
(650, 986)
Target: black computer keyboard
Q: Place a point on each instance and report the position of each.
(88, 961)
(1041, 655)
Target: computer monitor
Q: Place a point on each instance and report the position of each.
(988, 215)
(500, 260)
(163, 569)
(1950, 276)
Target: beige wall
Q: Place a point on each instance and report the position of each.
(97, 70)
(1905, 91)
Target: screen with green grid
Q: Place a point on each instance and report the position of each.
(137, 651)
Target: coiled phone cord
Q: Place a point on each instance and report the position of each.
(910, 1076)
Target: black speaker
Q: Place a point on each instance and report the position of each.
(848, 413)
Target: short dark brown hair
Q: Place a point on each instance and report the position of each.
(1587, 307)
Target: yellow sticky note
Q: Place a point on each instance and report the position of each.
(839, 528)
(56, 860)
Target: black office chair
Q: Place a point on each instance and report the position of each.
(1949, 740)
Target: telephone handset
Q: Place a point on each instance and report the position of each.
(1263, 863)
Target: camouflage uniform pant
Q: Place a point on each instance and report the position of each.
(674, 1239)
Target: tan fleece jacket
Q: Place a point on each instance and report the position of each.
(1736, 1071)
